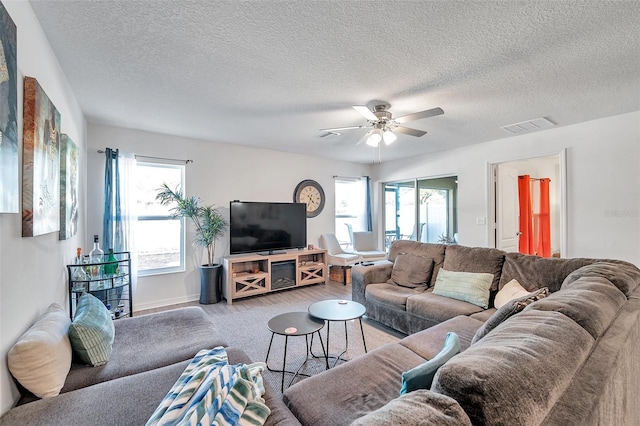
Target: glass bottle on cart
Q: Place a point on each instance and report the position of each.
(96, 256)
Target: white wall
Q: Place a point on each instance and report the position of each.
(32, 270)
(603, 182)
(220, 173)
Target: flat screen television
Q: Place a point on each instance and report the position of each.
(267, 227)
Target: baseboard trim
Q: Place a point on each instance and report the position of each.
(163, 303)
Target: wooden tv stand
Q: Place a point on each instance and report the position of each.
(252, 274)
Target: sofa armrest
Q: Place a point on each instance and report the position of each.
(361, 276)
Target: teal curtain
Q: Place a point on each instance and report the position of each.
(112, 218)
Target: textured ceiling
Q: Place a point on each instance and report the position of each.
(272, 73)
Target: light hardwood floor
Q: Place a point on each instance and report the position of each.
(307, 294)
(332, 289)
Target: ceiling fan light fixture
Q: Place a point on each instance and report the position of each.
(389, 137)
(374, 138)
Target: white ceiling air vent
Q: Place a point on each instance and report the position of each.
(528, 126)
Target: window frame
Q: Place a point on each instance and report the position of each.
(182, 266)
(353, 222)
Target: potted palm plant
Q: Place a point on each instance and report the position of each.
(209, 227)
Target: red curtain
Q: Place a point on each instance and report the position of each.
(544, 217)
(525, 244)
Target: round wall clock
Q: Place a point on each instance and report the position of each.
(310, 192)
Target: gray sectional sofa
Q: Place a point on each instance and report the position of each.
(567, 359)
(410, 310)
(150, 353)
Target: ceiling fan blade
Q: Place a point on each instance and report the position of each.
(366, 112)
(418, 115)
(337, 129)
(409, 131)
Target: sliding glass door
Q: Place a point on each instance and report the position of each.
(400, 211)
(421, 210)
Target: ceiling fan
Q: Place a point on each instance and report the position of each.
(382, 124)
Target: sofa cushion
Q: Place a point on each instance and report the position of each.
(410, 270)
(475, 259)
(512, 290)
(593, 303)
(41, 358)
(438, 308)
(427, 343)
(111, 403)
(92, 331)
(344, 397)
(421, 376)
(534, 272)
(422, 407)
(151, 341)
(530, 360)
(434, 251)
(508, 310)
(623, 275)
(391, 294)
(467, 286)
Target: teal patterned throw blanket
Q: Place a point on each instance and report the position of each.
(212, 392)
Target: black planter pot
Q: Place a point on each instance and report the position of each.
(210, 284)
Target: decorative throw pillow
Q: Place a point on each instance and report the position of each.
(92, 331)
(469, 287)
(410, 270)
(512, 290)
(41, 358)
(508, 310)
(420, 377)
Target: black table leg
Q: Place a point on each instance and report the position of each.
(362, 331)
(284, 362)
(327, 357)
(324, 352)
(266, 360)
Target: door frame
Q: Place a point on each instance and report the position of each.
(491, 213)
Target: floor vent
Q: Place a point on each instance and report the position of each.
(528, 126)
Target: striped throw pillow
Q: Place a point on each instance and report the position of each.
(91, 332)
(466, 286)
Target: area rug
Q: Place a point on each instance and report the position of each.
(246, 328)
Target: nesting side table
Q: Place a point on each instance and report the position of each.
(293, 324)
(338, 310)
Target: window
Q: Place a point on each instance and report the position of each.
(160, 238)
(421, 210)
(352, 208)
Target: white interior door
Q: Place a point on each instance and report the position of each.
(507, 209)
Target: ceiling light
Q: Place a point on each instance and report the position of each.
(389, 137)
(374, 138)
